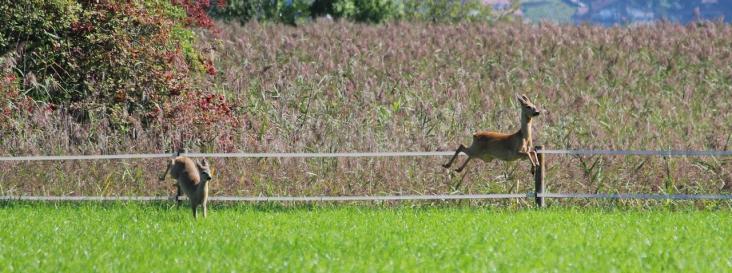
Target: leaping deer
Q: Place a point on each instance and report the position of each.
(507, 147)
(192, 178)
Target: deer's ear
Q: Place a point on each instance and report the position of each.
(520, 98)
(526, 99)
(204, 162)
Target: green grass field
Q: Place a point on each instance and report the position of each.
(144, 237)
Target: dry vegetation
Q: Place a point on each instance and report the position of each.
(340, 87)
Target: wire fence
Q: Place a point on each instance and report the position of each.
(441, 197)
(540, 195)
(224, 155)
(637, 152)
(272, 198)
(356, 154)
(645, 196)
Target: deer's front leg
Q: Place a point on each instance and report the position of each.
(536, 161)
(531, 151)
(531, 159)
(457, 152)
(464, 164)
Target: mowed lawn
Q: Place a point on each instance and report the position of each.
(154, 237)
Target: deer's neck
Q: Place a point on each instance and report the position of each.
(526, 127)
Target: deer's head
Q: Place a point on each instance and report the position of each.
(528, 109)
(204, 170)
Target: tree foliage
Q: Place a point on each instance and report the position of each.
(128, 62)
(369, 11)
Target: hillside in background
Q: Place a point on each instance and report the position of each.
(611, 12)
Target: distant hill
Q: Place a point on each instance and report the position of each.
(612, 12)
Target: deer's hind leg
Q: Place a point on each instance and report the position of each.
(457, 152)
(485, 159)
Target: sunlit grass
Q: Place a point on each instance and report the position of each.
(135, 237)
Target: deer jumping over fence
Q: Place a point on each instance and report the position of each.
(508, 147)
(192, 177)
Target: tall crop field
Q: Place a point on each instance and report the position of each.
(341, 87)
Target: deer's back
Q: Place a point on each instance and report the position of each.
(487, 136)
(489, 145)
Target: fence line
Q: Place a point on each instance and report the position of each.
(224, 155)
(85, 198)
(379, 198)
(272, 198)
(539, 177)
(639, 196)
(637, 152)
(354, 154)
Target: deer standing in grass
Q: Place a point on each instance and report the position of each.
(508, 147)
(192, 177)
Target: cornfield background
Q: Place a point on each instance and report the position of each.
(341, 87)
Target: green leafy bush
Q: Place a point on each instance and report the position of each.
(125, 62)
(90, 54)
(29, 22)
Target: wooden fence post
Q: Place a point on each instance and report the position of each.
(539, 177)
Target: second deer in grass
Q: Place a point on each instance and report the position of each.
(508, 147)
(191, 177)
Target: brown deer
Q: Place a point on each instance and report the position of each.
(192, 177)
(508, 147)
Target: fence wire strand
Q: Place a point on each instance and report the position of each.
(637, 152)
(639, 196)
(381, 198)
(272, 198)
(356, 154)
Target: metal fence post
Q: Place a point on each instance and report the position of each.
(539, 173)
